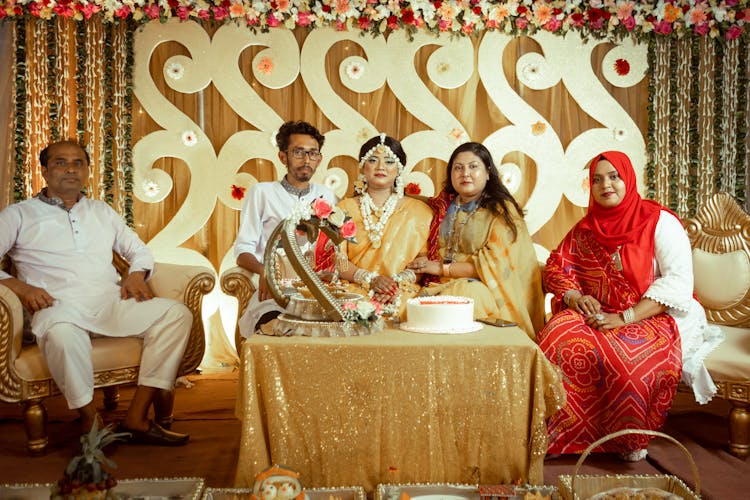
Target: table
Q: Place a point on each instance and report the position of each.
(396, 407)
(184, 488)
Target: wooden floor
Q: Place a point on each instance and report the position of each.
(206, 411)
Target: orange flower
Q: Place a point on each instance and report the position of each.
(543, 13)
(538, 128)
(237, 10)
(342, 6)
(265, 66)
(671, 13)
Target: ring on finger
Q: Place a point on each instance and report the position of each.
(599, 317)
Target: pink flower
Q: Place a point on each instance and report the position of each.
(349, 306)
(467, 29)
(122, 12)
(220, 13)
(321, 208)
(663, 27)
(265, 66)
(444, 24)
(303, 19)
(553, 25)
(364, 23)
(701, 29)
(348, 230)
(183, 12)
(521, 23)
(734, 32)
(152, 11)
(629, 23)
(272, 21)
(342, 6)
(204, 14)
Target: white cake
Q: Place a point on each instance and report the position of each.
(440, 314)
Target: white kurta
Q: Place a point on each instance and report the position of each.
(673, 287)
(69, 254)
(266, 205)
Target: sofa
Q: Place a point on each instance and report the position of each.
(720, 239)
(25, 379)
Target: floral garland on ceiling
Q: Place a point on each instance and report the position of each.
(613, 19)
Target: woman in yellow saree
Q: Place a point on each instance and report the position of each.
(480, 246)
(392, 229)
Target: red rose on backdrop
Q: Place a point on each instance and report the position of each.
(348, 230)
(622, 67)
(321, 208)
(238, 192)
(413, 189)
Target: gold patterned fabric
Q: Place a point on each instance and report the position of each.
(404, 238)
(397, 407)
(511, 281)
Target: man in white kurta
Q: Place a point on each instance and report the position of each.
(268, 203)
(61, 244)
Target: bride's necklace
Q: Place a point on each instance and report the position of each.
(368, 208)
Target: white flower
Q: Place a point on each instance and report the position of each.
(620, 134)
(365, 308)
(354, 70)
(189, 138)
(150, 188)
(332, 182)
(530, 72)
(175, 71)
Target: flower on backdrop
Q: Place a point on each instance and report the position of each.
(456, 133)
(622, 67)
(413, 189)
(332, 182)
(238, 192)
(265, 66)
(150, 188)
(189, 138)
(175, 71)
(355, 70)
(538, 128)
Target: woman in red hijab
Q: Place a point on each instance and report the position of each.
(625, 320)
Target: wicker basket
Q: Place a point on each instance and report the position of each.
(577, 487)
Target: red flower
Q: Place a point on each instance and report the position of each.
(321, 208)
(238, 192)
(348, 230)
(364, 23)
(122, 12)
(413, 189)
(392, 23)
(407, 16)
(622, 67)
(734, 32)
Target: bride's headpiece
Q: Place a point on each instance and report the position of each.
(382, 148)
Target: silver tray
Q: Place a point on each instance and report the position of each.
(310, 309)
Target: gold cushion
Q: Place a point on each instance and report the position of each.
(111, 353)
(721, 280)
(731, 359)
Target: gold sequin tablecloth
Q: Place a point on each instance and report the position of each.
(396, 407)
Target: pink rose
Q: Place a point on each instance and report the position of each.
(521, 23)
(303, 18)
(734, 32)
(348, 230)
(321, 208)
(272, 21)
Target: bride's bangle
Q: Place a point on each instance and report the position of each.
(447, 269)
(628, 315)
(568, 294)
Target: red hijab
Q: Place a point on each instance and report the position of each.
(630, 225)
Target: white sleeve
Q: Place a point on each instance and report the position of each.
(251, 225)
(10, 223)
(673, 286)
(129, 244)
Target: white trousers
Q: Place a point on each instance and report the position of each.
(67, 349)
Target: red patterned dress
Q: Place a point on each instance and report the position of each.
(624, 378)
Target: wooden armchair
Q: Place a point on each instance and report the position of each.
(720, 236)
(25, 379)
(238, 282)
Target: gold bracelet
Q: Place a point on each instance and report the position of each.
(628, 315)
(447, 270)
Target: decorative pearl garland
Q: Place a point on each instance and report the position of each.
(368, 208)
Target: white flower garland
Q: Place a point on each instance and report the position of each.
(368, 208)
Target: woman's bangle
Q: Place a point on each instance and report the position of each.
(447, 269)
(628, 315)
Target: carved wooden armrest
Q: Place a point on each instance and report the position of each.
(186, 284)
(238, 282)
(11, 337)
